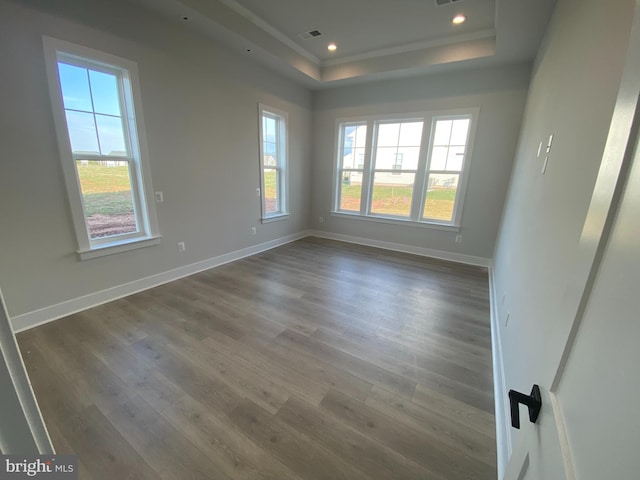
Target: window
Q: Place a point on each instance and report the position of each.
(273, 163)
(97, 116)
(350, 172)
(392, 190)
(449, 145)
(407, 169)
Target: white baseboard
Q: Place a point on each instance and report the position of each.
(502, 412)
(53, 312)
(32, 319)
(398, 247)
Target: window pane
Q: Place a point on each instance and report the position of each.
(408, 157)
(438, 158)
(441, 196)
(392, 194)
(104, 89)
(270, 149)
(350, 191)
(455, 158)
(111, 134)
(386, 157)
(269, 129)
(357, 135)
(354, 158)
(271, 190)
(75, 87)
(391, 158)
(354, 138)
(410, 134)
(269, 161)
(388, 134)
(459, 132)
(443, 132)
(82, 132)
(398, 146)
(106, 192)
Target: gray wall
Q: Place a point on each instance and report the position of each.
(572, 95)
(200, 109)
(500, 93)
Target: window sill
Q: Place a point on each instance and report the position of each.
(275, 218)
(395, 221)
(118, 247)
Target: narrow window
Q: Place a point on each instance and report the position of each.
(95, 114)
(273, 162)
(449, 146)
(353, 137)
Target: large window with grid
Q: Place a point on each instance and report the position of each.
(98, 121)
(410, 168)
(273, 163)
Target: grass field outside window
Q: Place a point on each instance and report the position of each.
(107, 198)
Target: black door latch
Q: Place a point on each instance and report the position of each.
(533, 402)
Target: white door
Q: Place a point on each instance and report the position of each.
(589, 425)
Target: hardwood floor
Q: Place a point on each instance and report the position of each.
(315, 360)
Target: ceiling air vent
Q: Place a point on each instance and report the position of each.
(440, 3)
(309, 35)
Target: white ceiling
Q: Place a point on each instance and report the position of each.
(375, 38)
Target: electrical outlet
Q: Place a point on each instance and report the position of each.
(181, 247)
(321, 219)
(258, 192)
(159, 197)
(253, 230)
(458, 238)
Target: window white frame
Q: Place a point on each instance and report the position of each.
(429, 119)
(137, 154)
(281, 158)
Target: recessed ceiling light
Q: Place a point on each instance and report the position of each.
(458, 19)
(332, 47)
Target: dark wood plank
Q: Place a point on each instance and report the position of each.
(424, 448)
(161, 444)
(303, 455)
(376, 461)
(458, 425)
(103, 449)
(233, 451)
(282, 357)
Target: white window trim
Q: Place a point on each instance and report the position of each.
(397, 221)
(423, 168)
(149, 234)
(284, 212)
